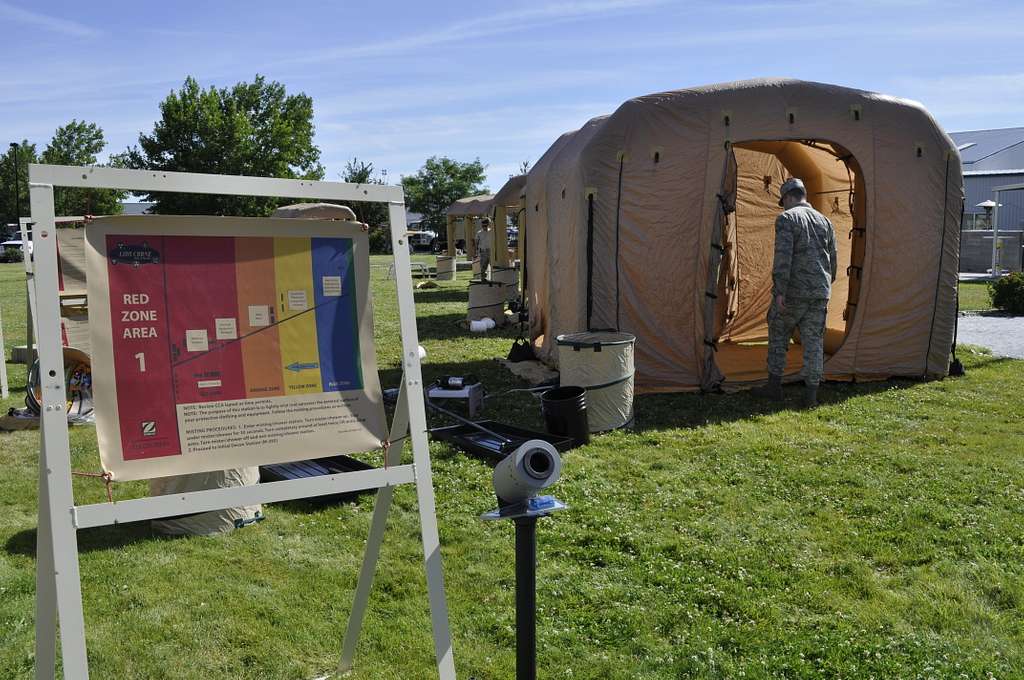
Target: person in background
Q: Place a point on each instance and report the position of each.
(483, 247)
(802, 275)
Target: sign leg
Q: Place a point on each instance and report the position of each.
(413, 381)
(435, 574)
(46, 587)
(4, 390)
(55, 449)
(381, 508)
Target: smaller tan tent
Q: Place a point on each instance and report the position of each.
(498, 207)
(658, 220)
(507, 202)
(467, 210)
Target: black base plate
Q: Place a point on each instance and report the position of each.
(303, 469)
(479, 443)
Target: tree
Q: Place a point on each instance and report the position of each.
(439, 183)
(26, 153)
(77, 143)
(249, 129)
(373, 214)
(359, 172)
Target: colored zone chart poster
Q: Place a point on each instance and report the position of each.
(231, 349)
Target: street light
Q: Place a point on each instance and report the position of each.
(987, 206)
(17, 189)
(992, 215)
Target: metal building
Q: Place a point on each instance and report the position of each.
(992, 158)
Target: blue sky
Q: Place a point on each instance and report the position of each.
(395, 82)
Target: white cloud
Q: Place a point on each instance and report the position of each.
(501, 137)
(47, 22)
(440, 94)
(969, 96)
(498, 23)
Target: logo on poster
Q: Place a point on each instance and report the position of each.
(133, 254)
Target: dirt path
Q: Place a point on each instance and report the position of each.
(1004, 335)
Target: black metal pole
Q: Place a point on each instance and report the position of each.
(526, 598)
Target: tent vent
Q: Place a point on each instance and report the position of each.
(919, 150)
(563, 192)
(657, 156)
(536, 207)
(792, 119)
(855, 111)
(791, 115)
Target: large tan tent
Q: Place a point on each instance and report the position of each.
(658, 220)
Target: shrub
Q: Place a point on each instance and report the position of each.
(380, 240)
(1007, 293)
(11, 255)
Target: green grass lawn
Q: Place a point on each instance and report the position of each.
(878, 536)
(974, 296)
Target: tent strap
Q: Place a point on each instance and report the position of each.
(618, 212)
(956, 368)
(942, 253)
(590, 260)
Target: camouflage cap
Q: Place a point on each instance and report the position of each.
(789, 185)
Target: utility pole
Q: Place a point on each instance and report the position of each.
(17, 182)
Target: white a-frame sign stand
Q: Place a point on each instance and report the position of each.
(58, 585)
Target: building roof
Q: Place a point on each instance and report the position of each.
(133, 208)
(991, 150)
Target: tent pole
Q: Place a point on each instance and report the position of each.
(451, 235)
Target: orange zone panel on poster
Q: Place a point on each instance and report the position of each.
(142, 354)
(257, 298)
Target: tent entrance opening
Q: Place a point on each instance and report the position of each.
(834, 187)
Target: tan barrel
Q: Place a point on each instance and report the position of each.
(507, 276)
(601, 362)
(445, 268)
(487, 299)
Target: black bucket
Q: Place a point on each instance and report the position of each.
(565, 413)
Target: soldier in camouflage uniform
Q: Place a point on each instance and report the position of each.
(483, 247)
(802, 276)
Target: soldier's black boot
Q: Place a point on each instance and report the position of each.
(772, 391)
(810, 396)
